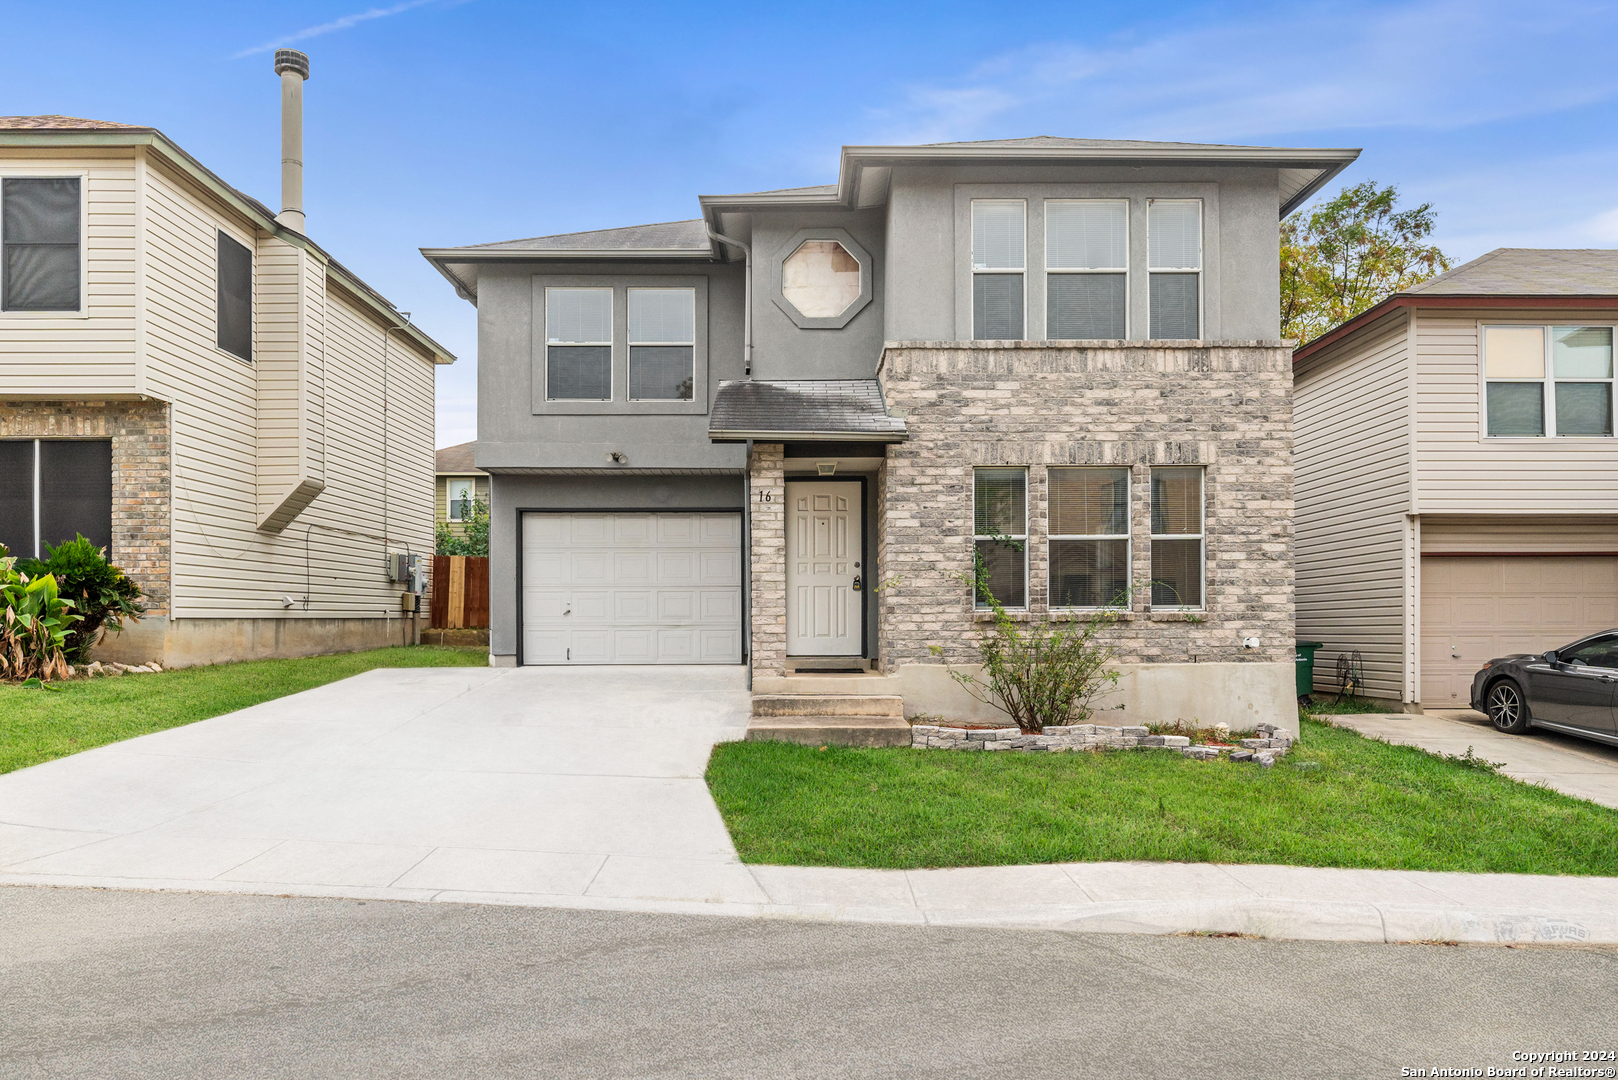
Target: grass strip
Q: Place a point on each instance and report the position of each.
(39, 725)
(1337, 799)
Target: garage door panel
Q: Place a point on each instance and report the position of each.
(635, 588)
(1483, 607)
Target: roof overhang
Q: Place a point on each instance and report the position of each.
(715, 435)
(260, 215)
(460, 265)
(1448, 300)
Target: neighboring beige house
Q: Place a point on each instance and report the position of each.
(459, 484)
(188, 379)
(1457, 473)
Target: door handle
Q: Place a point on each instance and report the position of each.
(857, 585)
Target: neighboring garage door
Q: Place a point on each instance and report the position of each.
(1475, 608)
(661, 588)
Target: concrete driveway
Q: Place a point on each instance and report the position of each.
(416, 783)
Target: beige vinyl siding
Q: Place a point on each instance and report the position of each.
(223, 408)
(80, 355)
(1352, 491)
(1460, 472)
(480, 490)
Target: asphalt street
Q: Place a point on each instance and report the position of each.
(98, 983)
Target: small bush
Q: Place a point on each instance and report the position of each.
(100, 593)
(473, 539)
(35, 621)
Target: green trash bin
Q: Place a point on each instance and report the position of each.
(1305, 660)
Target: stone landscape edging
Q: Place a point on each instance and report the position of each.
(1270, 743)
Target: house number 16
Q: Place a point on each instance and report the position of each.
(766, 496)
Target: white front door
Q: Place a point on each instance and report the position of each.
(824, 557)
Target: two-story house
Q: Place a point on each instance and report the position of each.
(1456, 473)
(781, 433)
(191, 382)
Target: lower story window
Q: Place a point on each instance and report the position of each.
(1177, 537)
(1089, 537)
(52, 490)
(1000, 535)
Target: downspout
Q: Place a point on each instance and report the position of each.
(747, 465)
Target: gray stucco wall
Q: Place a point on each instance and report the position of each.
(927, 252)
(509, 494)
(781, 349)
(511, 435)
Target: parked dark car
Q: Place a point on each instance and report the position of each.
(1571, 689)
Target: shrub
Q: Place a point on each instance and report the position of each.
(100, 593)
(35, 621)
(473, 539)
(1041, 674)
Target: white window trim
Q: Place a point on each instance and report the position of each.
(1023, 270)
(83, 176)
(1201, 535)
(1127, 536)
(1023, 536)
(1129, 283)
(1548, 381)
(1202, 258)
(630, 342)
(612, 309)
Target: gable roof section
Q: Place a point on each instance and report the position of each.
(51, 131)
(457, 460)
(1506, 277)
(803, 409)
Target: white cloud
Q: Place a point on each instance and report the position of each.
(332, 27)
(1604, 226)
(1440, 64)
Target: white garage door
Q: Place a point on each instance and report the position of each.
(1474, 608)
(632, 589)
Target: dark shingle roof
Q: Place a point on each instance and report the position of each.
(457, 460)
(842, 408)
(1529, 272)
(666, 235)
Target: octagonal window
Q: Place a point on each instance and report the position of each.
(821, 279)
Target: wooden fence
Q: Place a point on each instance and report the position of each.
(460, 592)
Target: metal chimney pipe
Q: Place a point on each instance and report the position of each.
(293, 67)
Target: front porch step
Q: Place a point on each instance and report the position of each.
(867, 705)
(846, 730)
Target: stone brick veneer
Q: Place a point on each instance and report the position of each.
(769, 560)
(1223, 405)
(139, 431)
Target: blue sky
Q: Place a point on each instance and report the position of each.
(441, 122)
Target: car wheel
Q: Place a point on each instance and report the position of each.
(1508, 709)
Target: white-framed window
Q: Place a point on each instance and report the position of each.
(41, 244)
(999, 265)
(1547, 381)
(1086, 268)
(1174, 268)
(1089, 537)
(460, 492)
(1000, 533)
(578, 344)
(662, 344)
(1178, 552)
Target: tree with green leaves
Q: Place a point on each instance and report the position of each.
(472, 538)
(1348, 254)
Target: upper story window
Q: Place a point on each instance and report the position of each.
(1000, 534)
(821, 279)
(460, 491)
(578, 344)
(662, 344)
(998, 269)
(1086, 269)
(1548, 380)
(40, 260)
(235, 288)
(1174, 265)
(1089, 537)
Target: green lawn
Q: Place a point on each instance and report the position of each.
(1336, 799)
(38, 725)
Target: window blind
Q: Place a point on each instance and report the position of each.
(1174, 232)
(1173, 305)
(1000, 502)
(997, 234)
(1084, 306)
(662, 316)
(1089, 502)
(1086, 235)
(578, 373)
(997, 307)
(578, 316)
(660, 372)
(39, 230)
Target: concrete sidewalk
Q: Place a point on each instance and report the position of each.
(582, 788)
(1577, 767)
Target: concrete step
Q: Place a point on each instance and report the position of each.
(828, 705)
(831, 730)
